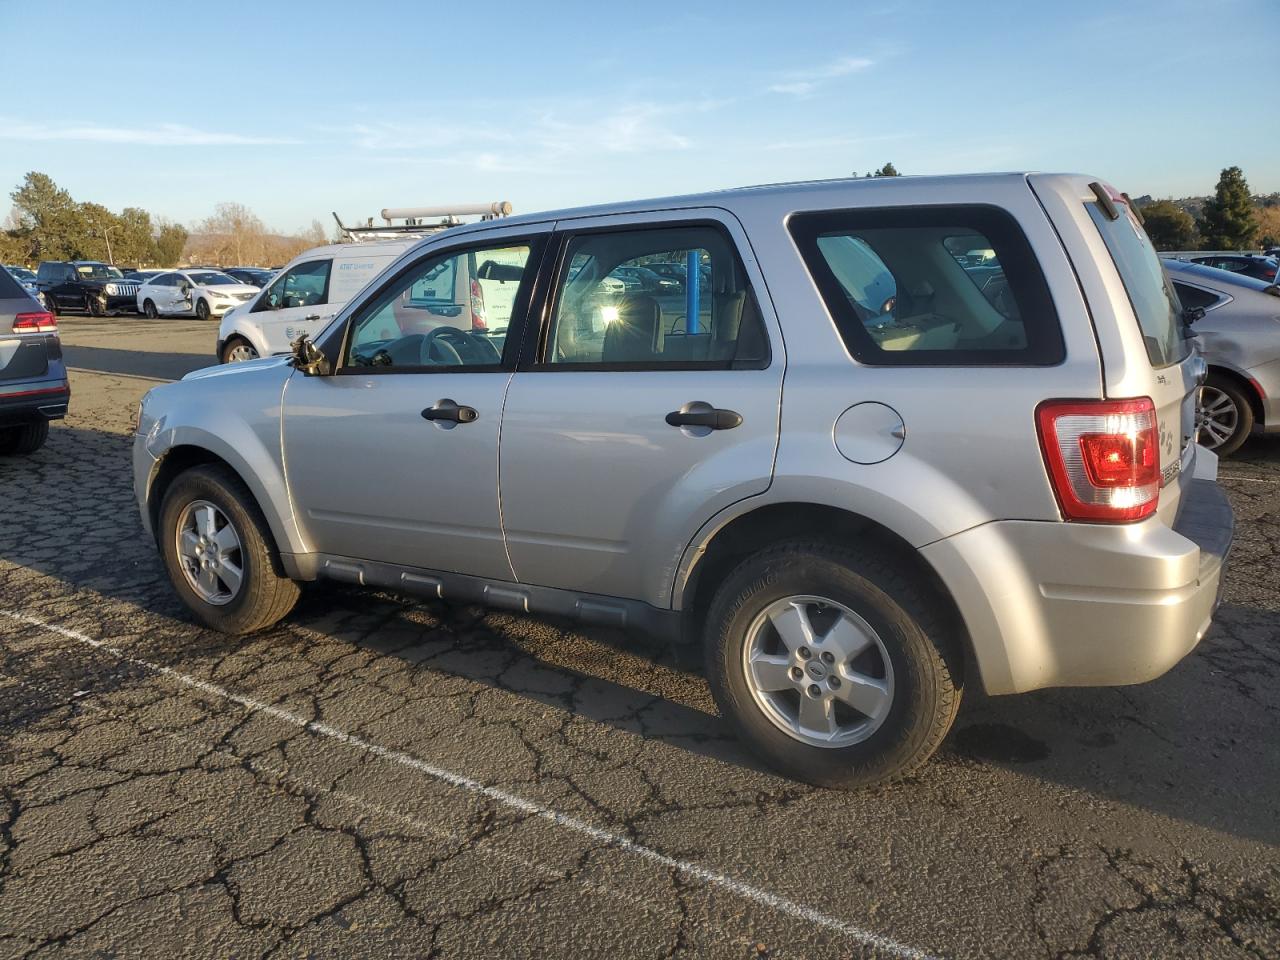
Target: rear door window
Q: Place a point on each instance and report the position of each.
(955, 285)
(1154, 302)
(1196, 296)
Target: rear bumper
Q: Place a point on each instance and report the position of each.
(1073, 604)
(32, 402)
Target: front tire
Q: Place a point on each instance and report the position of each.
(93, 307)
(1224, 416)
(834, 667)
(219, 555)
(237, 350)
(149, 310)
(202, 310)
(24, 439)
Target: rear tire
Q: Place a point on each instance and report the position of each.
(262, 595)
(149, 310)
(1224, 416)
(910, 649)
(24, 439)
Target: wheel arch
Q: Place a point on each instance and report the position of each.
(183, 457)
(771, 523)
(1246, 387)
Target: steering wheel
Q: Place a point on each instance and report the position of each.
(438, 346)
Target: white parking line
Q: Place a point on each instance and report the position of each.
(1228, 476)
(740, 888)
(127, 376)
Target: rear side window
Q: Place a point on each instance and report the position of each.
(927, 286)
(1195, 296)
(10, 289)
(696, 310)
(1150, 292)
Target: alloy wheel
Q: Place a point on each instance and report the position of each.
(818, 671)
(1216, 417)
(241, 352)
(210, 552)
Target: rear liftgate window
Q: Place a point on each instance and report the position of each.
(1154, 302)
(929, 286)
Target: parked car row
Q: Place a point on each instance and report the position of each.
(1265, 266)
(102, 290)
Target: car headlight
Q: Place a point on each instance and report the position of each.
(109, 289)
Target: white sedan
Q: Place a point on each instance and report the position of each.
(200, 293)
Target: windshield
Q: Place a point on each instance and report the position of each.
(22, 273)
(210, 279)
(98, 271)
(1154, 302)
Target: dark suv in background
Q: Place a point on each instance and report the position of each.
(87, 285)
(33, 380)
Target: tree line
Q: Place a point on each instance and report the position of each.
(47, 223)
(1231, 219)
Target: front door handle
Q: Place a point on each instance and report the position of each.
(699, 414)
(447, 409)
(314, 316)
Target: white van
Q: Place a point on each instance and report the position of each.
(303, 297)
(315, 285)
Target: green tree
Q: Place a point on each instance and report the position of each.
(1228, 221)
(1169, 226)
(170, 241)
(101, 231)
(50, 217)
(135, 243)
(888, 170)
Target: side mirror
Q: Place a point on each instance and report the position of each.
(291, 301)
(308, 358)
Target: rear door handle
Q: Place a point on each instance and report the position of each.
(447, 409)
(699, 414)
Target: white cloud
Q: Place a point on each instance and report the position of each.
(160, 135)
(801, 83)
(535, 138)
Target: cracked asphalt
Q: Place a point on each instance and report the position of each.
(380, 776)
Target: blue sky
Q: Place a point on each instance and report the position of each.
(296, 109)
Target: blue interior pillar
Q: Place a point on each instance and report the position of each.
(691, 278)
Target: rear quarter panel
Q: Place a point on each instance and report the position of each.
(971, 452)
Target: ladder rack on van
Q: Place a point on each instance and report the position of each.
(421, 221)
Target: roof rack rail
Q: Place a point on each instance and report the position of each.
(420, 221)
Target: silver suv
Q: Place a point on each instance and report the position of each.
(898, 436)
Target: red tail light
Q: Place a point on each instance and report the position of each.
(478, 320)
(1103, 457)
(43, 322)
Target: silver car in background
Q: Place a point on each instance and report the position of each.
(1239, 336)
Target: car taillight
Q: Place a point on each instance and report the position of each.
(43, 322)
(478, 320)
(1103, 457)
